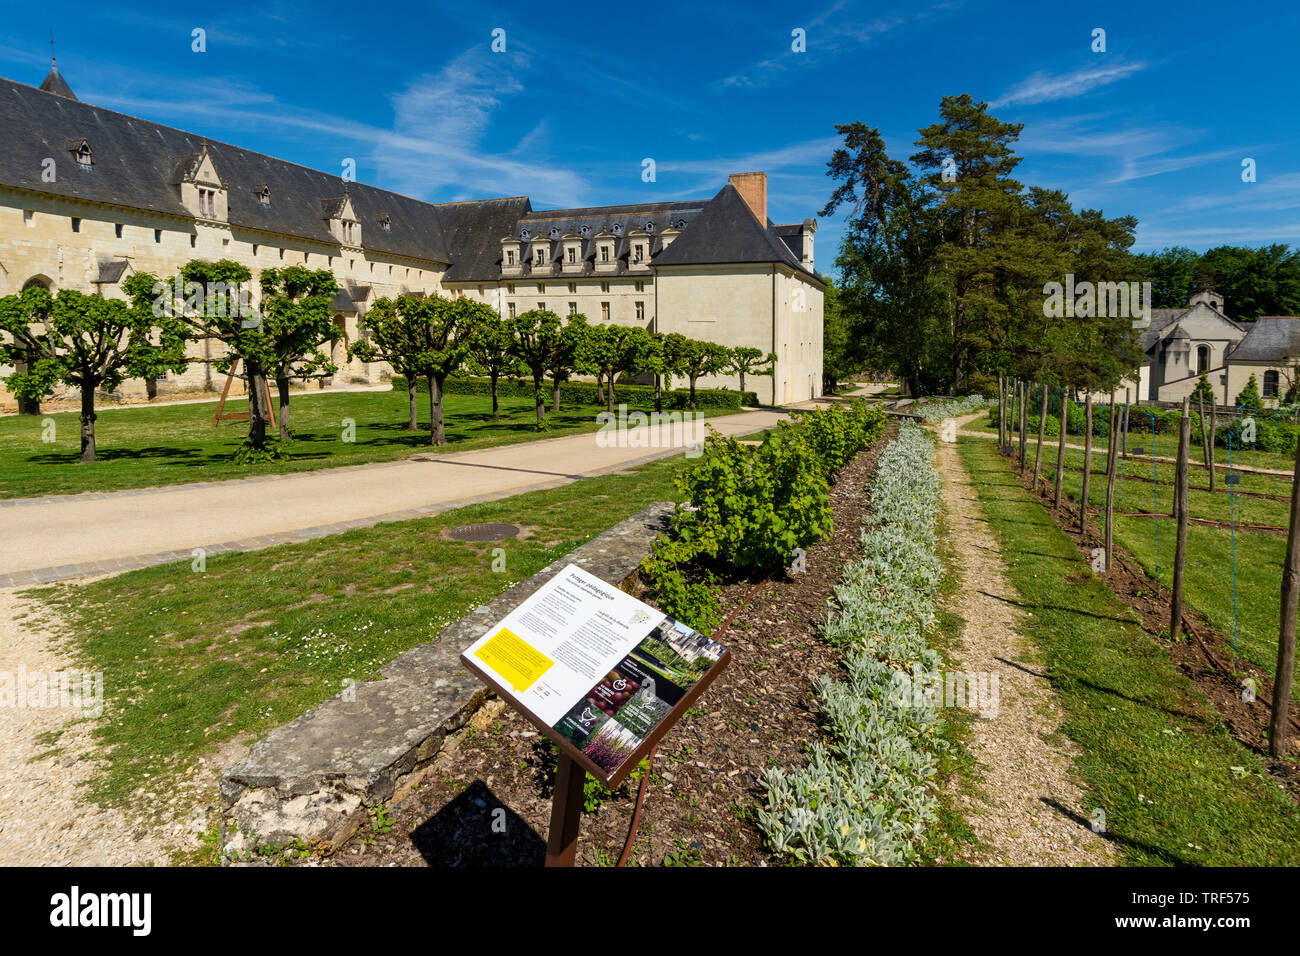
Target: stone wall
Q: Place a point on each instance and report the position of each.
(317, 778)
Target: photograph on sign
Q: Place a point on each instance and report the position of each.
(594, 664)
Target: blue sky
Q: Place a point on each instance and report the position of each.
(1157, 126)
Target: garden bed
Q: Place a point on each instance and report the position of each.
(704, 789)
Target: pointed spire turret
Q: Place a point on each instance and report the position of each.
(54, 82)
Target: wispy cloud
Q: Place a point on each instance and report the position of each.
(1042, 87)
(829, 35)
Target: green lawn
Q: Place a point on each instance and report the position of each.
(1175, 787)
(193, 659)
(171, 444)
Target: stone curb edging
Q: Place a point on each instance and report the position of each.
(317, 778)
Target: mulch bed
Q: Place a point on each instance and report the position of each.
(1205, 656)
(703, 792)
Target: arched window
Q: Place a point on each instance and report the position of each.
(1202, 359)
(41, 281)
(1270, 384)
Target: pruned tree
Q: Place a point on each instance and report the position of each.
(612, 350)
(697, 359)
(491, 352)
(566, 355)
(392, 332)
(297, 319)
(536, 335)
(744, 360)
(448, 330)
(87, 342)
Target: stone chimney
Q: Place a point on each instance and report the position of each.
(753, 189)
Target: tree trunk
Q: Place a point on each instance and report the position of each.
(257, 411)
(1180, 507)
(658, 393)
(413, 420)
(495, 374)
(437, 433)
(609, 394)
(1042, 436)
(282, 386)
(600, 387)
(88, 422)
(151, 388)
(692, 393)
(1277, 731)
(540, 400)
(1087, 467)
(1060, 448)
(742, 385)
(555, 395)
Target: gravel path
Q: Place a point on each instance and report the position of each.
(44, 817)
(1024, 764)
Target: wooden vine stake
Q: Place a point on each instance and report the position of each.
(1181, 508)
(1002, 411)
(1112, 465)
(1060, 449)
(1084, 497)
(1024, 422)
(1042, 434)
(1286, 632)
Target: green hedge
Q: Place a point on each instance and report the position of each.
(584, 393)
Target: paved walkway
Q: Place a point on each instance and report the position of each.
(47, 539)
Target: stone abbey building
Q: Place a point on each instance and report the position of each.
(89, 196)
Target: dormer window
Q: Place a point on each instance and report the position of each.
(541, 256)
(263, 193)
(349, 231)
(617, 229)
(584, 231)
(208, 203)
(604, 253)
(573, 255)
(510, 257)
(555, 232)
(81, 150)
(649, 227)
(638, 252)
(386, 222)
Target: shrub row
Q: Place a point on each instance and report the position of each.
(750, 507)
(938, 411)
(865, 796)
(584, 393)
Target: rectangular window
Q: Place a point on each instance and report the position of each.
(541, 306)
(573, 288)
(636, 252)
(511, 309)
(27, 217)
(157, 235)
(117, 230)
(640, 310)
(541, 287)
(604, 287)
(541, 257)
(573, 255)
(604, 311)
(573, 308)
(640, 286)
(604, 253)
(76, 224)
(510, 288)
(510, 257)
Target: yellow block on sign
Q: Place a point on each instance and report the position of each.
(519, 663)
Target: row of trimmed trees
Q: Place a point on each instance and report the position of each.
(429, 338)
(90, 342)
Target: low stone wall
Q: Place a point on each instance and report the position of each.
(317, 778)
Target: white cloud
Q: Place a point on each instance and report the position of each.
(1042, 87)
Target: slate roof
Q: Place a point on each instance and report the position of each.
(727, 232)
(136, 163)
(1271, 338)
(474, 230)
(56, 84)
